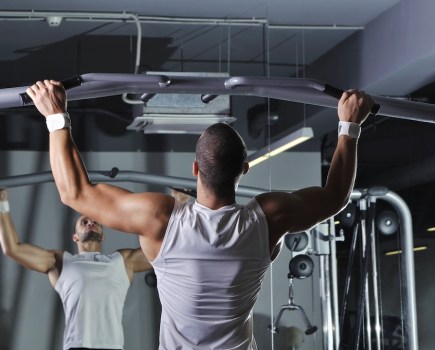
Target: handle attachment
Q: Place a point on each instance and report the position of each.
(336, 92)
(68, 83)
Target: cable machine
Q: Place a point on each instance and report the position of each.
(367, 331)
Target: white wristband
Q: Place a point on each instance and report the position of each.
(350, 129)
(58, 121)
(4, 207)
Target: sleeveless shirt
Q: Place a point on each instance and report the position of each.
(93, 288)
(209, 269)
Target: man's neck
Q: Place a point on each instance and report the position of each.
(210, 200)
(89, 247)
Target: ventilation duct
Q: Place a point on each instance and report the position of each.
(181, 113)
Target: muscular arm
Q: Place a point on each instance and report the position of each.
(135, 261)
(113, 206)
(302, 209)
(145, 214)
(28, 255)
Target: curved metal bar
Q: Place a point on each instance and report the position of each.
(307, 91)
(408, 269)
(67, 84)
(231, 83)
(148, 79)
(120, 176)
(290, 82)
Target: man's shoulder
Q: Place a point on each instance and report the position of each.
(119, 253)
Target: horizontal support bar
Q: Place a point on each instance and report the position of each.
(119, 176)
(308, 91)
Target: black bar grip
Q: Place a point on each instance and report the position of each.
(68, 83)
(336, 92)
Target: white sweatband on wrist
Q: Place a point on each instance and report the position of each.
(58, 121)
(350, 129)
(4, 207)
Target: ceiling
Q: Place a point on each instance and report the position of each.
(385, 47)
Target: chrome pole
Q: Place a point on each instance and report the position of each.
(375, 276)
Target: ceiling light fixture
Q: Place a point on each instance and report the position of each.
(54, 21)
(281, 145)
(177, 124)
(396, 252)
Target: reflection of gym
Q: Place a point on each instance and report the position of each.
(143, 82)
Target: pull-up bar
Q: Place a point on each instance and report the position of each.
(309, 91)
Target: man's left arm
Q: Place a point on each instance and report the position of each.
(302, 209)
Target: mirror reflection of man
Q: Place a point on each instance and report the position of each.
(92, 285)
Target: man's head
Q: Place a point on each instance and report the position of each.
(221, 158)
(87, 230)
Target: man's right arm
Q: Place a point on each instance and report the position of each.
(146, 214)
(28, 255)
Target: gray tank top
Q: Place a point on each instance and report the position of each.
(93, 288)
(209, 270)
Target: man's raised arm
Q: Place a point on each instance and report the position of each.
(143, 214)
(28, 255)
(302, 209)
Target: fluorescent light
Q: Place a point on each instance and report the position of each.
(177, 123)
(281, 145)
(396, 252)
(430, 229)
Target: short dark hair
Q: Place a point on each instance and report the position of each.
(221, 154)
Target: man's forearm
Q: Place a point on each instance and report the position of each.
(67, 166)
(8, 238)
(342, 172)
(68, 170)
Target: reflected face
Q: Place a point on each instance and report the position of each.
(88, 230)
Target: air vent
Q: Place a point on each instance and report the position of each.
(182, 113)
